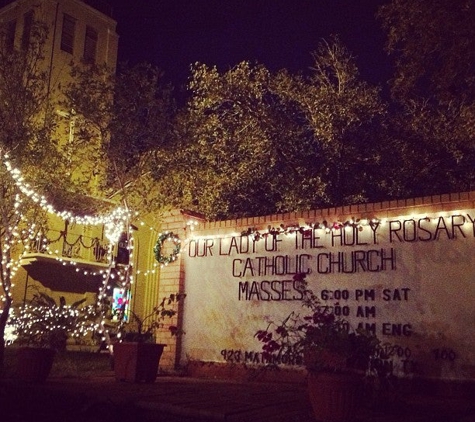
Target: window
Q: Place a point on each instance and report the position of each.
(8, 35)
(90, 45)
(27, 26)
(120, 304)
(67, 35)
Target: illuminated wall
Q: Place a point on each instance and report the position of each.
(53, 12)
(403, 269)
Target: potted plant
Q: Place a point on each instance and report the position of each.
(136, 355)
(335, 355)
(42, 328)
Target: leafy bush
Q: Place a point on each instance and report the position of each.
(44, 323)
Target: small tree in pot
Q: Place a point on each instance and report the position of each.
(136, 355)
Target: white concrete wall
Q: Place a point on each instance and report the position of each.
(412, 281)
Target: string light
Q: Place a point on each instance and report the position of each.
(191, 224)
(114, 221)
(114, 224)
(256, 234)
(39, 322)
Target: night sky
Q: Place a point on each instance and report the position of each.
(173, 34)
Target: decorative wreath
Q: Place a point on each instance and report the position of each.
(157, 250)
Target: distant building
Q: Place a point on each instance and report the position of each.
(78, 30)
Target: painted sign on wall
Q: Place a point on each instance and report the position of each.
(409, 279)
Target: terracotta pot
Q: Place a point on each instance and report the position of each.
(34, 363)
(333, 396)
(136, 362)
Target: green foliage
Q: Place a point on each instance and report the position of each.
(223, 145)
(344, 116)
(128, 117)
(143, 329)
(250, 142)
(433, 44)
(27, 125)
(27, 117)
(22, 92)
(89, 113)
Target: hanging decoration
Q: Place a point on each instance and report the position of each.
(157, 250)
(114, 222)
(357, 224)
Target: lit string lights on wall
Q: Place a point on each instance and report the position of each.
(115, 223)
(447, 222)
(256, 234)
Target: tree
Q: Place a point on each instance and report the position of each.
(35, 164)
(251, 143)
(26, 125)
(128, 115)
(344, 115)
(224, 144)
(433, 44)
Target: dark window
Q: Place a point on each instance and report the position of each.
(67, 35)
(8, 35)
(27, 26)
(90, 45)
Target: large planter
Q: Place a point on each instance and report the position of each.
(34, 363)
(334, 396)
(137, 362)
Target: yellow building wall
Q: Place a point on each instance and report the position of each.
(57, 63)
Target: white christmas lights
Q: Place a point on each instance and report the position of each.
(114, 222)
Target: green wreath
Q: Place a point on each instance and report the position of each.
(157, 250)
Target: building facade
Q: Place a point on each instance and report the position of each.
(403, 270)
(77, 31)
